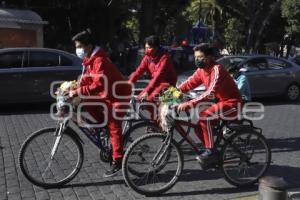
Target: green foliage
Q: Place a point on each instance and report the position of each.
(132, 24)
(204, 10)
(234, 34)
(290, 10)
(191, 13)
(244, 24)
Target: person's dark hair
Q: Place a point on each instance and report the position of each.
(205, 48)
(85, 37)
(152, 41)
(234, 69)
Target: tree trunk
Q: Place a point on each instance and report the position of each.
(275, 7)
(252, 21)
(146, 19)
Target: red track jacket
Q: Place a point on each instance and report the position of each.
(218, 83)
(93, 84)
(160, 68)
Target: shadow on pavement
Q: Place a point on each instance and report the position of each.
(284, 144)
(230, 190)
(28, 108)
(290, 174)
(189, 175)
(275, 170)
(111, 182)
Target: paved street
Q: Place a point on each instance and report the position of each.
(281, 126)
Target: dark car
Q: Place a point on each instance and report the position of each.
(26, 74)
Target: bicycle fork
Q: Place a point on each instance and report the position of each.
(58, 135)
(161, 151)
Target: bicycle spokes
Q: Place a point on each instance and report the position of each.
(245, 158)
(153, 163)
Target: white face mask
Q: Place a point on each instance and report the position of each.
(80, 53)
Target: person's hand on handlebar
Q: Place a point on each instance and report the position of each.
(72, 93)
(183, 107)
(143, 97)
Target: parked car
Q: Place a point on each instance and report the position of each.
(27, 73)
(268, 76)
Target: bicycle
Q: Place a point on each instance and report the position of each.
(61, 157)
(244, 156)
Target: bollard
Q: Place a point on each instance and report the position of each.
(272, 188)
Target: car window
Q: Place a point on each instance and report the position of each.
(276, 64)
(64, 61)
(256, 64)
(43, 59)
(11, 60)
(230, 61)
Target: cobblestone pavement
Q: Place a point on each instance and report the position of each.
(281, 126)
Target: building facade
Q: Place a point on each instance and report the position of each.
(20, 28)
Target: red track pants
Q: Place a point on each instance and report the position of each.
(222, 110)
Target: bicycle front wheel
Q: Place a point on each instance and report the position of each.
(245, 158)
(157, 166)
(48, 160)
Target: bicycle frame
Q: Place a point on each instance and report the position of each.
(185, 136)
(91, 133)
(80, 125)
(178, 125)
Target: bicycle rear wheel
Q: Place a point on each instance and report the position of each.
(44, 170)
(245, 158)
(138, 130)
(158, 165)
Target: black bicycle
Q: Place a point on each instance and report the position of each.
(53, 156)
(157, 159)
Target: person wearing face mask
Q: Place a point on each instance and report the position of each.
(96, 85)
(158, 64)
(219, 86)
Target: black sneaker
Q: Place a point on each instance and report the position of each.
(115, 168)
(208, 159)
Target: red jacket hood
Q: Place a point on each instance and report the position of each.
(100, 53)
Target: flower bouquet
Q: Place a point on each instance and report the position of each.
(65, 88)
(172, 96)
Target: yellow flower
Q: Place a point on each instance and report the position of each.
(177, 94)
(172, 89)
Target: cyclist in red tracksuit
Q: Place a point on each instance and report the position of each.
(158, 64)
(97, 85)
(219, 86)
